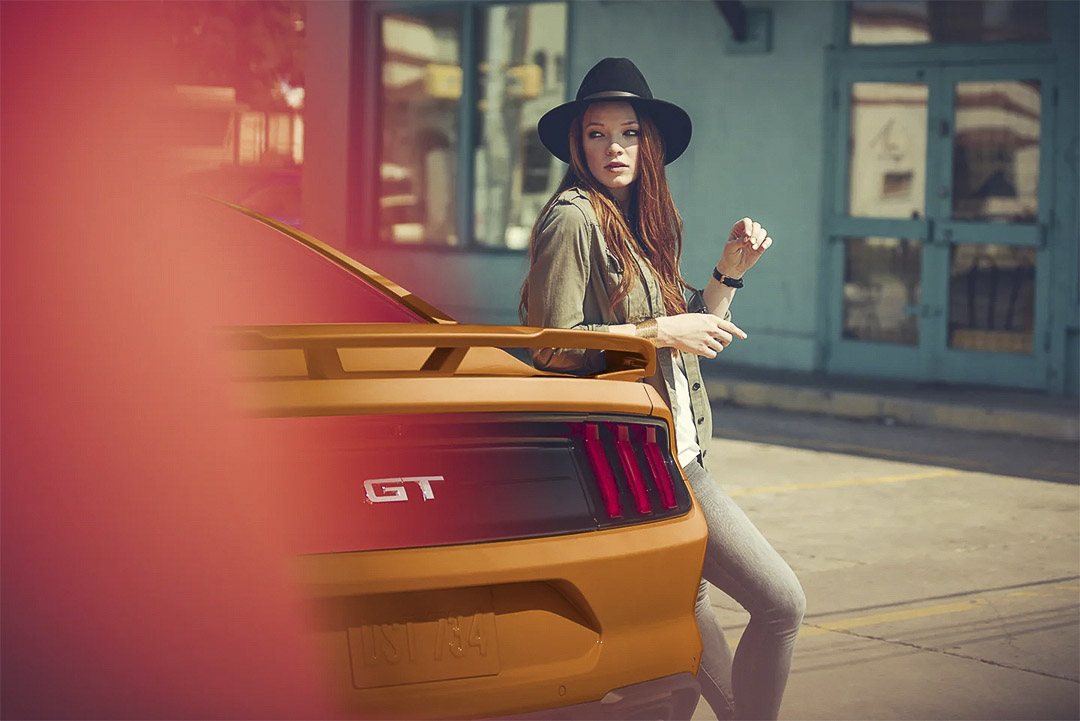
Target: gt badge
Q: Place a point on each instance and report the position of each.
(385, 490)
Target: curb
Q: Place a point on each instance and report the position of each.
(913, 412)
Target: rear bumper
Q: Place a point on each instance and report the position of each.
(575, 617)
(671, 697)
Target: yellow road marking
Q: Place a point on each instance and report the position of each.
(844, 624)
(1068, 588)
(1027, 594)
(890, 617)
(843, 482)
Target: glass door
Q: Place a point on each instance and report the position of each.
(995, 224)
(939, 223)
(879, 230)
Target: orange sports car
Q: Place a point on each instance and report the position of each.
(483, 538)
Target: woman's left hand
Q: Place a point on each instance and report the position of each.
(748, 240)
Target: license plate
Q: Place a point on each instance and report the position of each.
(425, 636)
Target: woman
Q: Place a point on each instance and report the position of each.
(605, 257)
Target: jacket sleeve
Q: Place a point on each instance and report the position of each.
(558, 283)
(695, 303)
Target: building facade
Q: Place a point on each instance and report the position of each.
(915, 162)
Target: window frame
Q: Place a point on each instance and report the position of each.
(931, 52)
(370, 145)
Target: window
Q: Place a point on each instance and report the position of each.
(992, 298)
(881, 286)
(906, 22)
(520, 79)
(421, 89)
(996, 152)
(456, 117)
(237, 120)
(887, 166)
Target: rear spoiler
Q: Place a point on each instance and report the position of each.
(628, 357)
(381, 283)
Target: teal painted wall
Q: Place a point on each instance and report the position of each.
(759, 149)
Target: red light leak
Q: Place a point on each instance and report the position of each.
(144, 571)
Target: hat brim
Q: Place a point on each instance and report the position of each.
(672, 121)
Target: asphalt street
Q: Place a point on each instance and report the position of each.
(941, 568)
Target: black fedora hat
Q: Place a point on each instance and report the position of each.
(615, 79)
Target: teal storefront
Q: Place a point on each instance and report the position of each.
(916, 162)
(950, 228)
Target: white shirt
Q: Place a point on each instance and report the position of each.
(685, 430)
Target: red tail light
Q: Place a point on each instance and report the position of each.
(659, 469)
(604, 477)
(627, 439)
(630, 466)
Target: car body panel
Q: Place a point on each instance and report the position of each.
(555, 623)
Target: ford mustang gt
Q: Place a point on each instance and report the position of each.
(480, 538)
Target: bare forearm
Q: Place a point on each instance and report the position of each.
(718, 297)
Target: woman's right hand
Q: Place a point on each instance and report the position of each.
(703, 334)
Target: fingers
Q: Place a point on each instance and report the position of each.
(727, 325)
(708, 350)
(710, 347)
(717, 326)
(720, 335)
(750, 232)
(705, 334)
(758, 238)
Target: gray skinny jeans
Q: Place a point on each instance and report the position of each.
(742, 564)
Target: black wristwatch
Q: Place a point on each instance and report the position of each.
(727, 279)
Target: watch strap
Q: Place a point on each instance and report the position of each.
(727, 279)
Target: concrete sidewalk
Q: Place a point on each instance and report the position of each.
(1034, 415)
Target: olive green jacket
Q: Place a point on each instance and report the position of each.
(571, 280)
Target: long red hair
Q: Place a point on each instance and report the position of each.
(654, 224)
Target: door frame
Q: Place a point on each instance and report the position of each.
(940, 65)
(867, 357)
(1005, 369)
